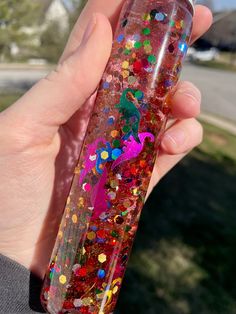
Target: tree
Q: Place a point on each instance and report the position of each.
(14, 16)
(78, 6)
(52, 42)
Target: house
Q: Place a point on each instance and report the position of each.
(222, 33)
(49, 11)
(56, 10)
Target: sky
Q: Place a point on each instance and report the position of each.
(225, 4)
(220, 5)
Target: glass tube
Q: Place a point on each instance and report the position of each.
(117, 158)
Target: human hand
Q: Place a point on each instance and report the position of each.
(41, 136)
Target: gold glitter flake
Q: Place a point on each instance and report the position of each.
(87, 301)
(125, 65)
(148, 49)
(135, 192)
(114, 183)
(129, 45)
(114, 133)
(74, 219)
(127, 203)
(62, 279)
(91, 235)
(102, 258)
(125, 73)
(104, 155)
(81, 202)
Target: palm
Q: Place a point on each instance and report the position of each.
(59, 173)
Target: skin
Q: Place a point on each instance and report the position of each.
(41, 134)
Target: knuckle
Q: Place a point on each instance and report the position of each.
(199, 132)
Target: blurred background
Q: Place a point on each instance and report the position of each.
(183, 260)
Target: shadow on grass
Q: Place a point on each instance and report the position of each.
(183, 259)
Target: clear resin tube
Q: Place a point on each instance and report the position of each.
(117, 158)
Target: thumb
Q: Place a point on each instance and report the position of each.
(54, 99)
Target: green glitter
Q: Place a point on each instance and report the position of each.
(124, 213)
(146, 42)
(116, 143)
(138, 45)
(172, 23)
(138, 94)
(127, 51)
(127, 228)
(146, 31)
(51, 275)
(152, 59)
(114, 234)
(126, 129)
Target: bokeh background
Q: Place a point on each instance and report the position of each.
(184, 257)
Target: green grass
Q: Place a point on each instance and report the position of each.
(217, 65)
(183, 261)
(8, 99)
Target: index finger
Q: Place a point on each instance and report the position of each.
(202, 20)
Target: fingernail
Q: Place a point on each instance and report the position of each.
(89, 29)
(174, 138)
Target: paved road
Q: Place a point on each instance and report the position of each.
(20, 79)
(218, 87)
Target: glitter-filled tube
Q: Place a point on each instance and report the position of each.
(117, 158)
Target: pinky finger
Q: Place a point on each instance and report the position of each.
(182, 136)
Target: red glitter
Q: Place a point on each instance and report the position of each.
(84, 310)
(68, 305)
(145, 63)
(82, 272)
(137, 66)
(101, 233)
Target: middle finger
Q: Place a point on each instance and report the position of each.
(186, 101)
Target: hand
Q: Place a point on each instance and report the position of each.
(41, 135)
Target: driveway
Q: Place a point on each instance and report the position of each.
(218, 90)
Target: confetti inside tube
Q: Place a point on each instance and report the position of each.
(117, 158)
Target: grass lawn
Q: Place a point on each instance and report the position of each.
(217, 65)
(8, 99)
(183, 261)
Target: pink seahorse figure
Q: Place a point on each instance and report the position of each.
(99, 197)
(132, 148)
(90, 158)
